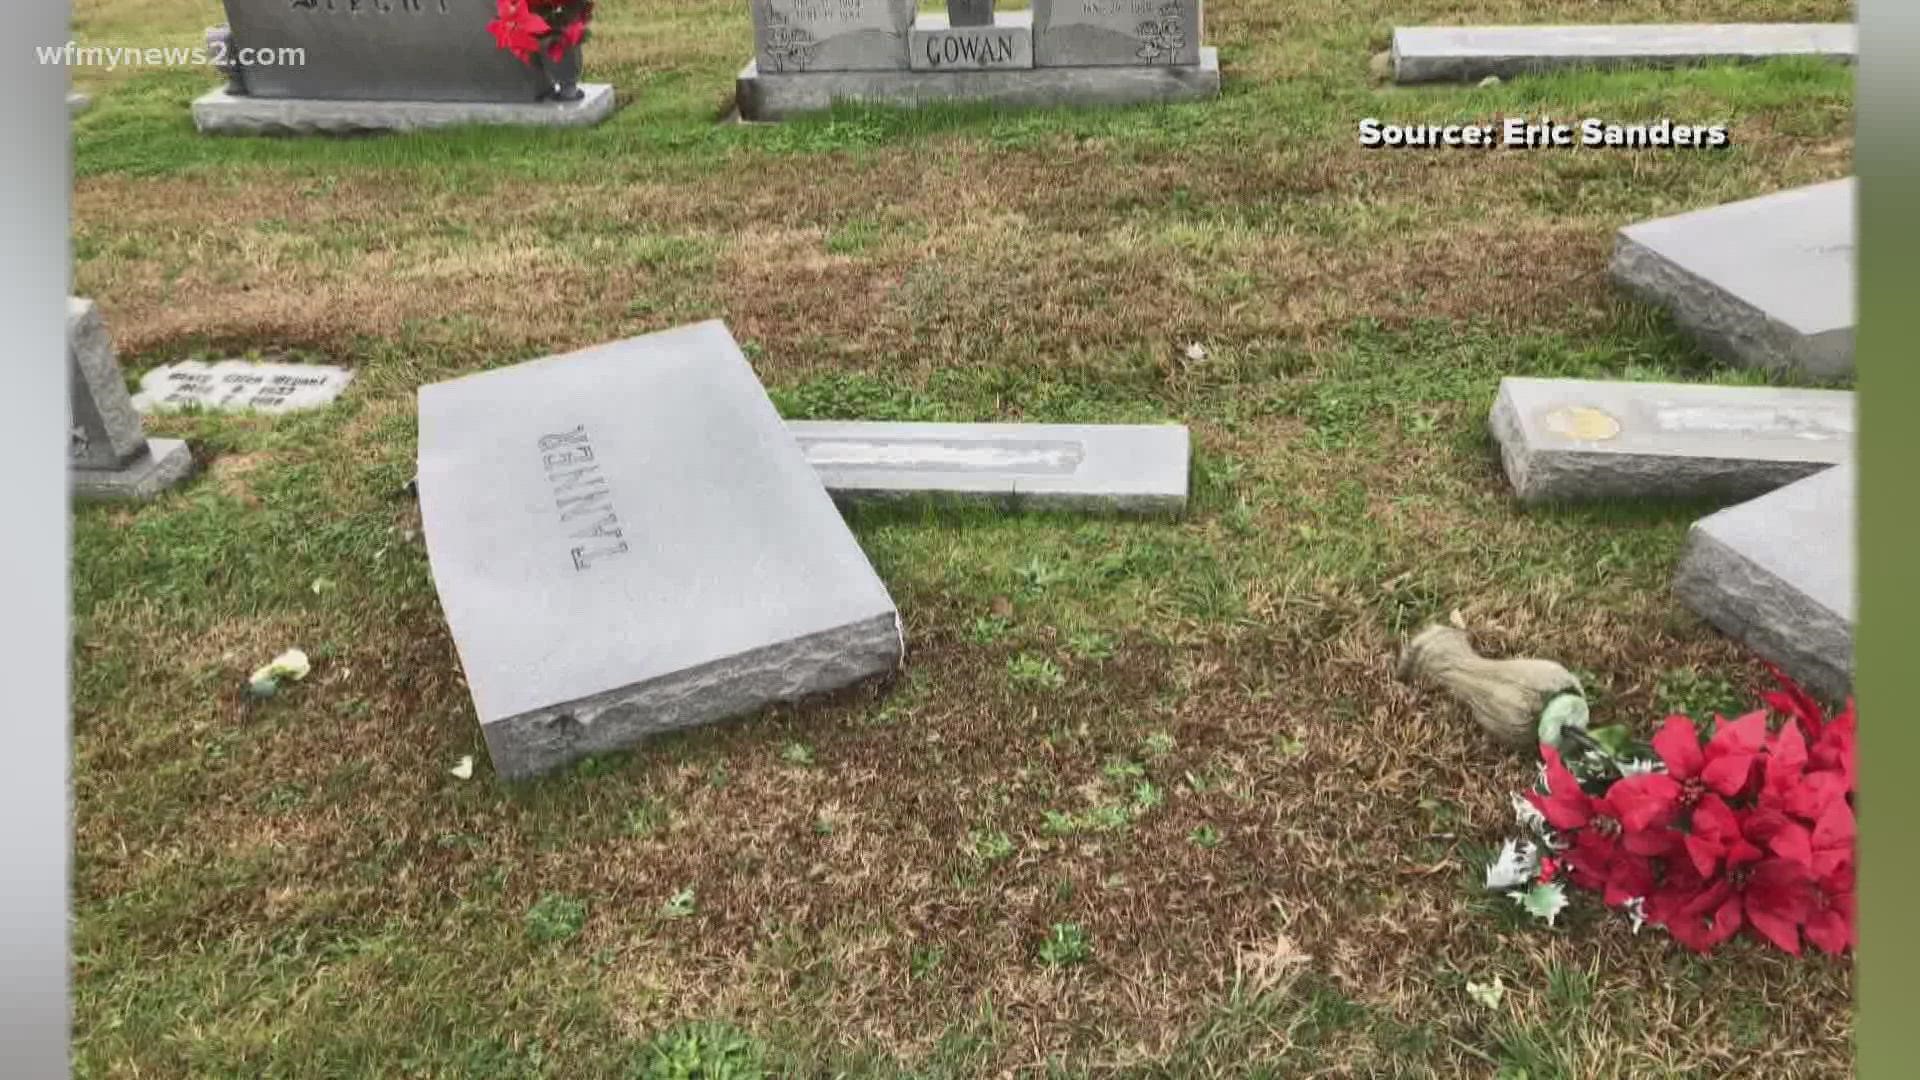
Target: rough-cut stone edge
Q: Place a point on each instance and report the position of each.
(1571, 474)
(536, 742)
(763, 98)
(165, 464)
(1746, 602)
(1427, 68)
(1725, 325)
(222, 113)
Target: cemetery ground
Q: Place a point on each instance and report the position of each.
(1145, 797)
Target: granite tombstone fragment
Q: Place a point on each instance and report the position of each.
(240, 386)
(831, 35)
(627, 540)
(1777, 573)
(1100, 33)
(1125, 468)
(1470, 53)
(1765, 283)
(1574, 439)
(110, 456)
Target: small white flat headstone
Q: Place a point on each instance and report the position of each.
(1777, 573)
(1136, 468)
(1765, 283)
(627, 540)
(1564, 440)
(1471, 53)
(240, 386)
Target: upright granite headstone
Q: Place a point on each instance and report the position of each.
(1777, 573)
(627, 540)
(110, 456)
(831, 35)
(1102, 33)
(1576, 439)
(379, 50)
(1766, 282)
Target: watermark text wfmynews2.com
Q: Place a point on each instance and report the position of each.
(214, 54)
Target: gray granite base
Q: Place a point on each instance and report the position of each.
(1470, 53)
(763, 97)
(1566, 440)
(1117, 468)
(166, 463)
(1764, 283)
(1777, 573)
(222, 113)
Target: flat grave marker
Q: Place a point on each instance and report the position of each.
(1573, 439)
(1125, 468)
(1471, 53)
(1765, 283)
(240, 386)
(1777, 573)
(627, 540)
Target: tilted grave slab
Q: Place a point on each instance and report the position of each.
(1564, 440)
(1123, 468)
(1469, 53)
(1777, 573)
(109, 455)
(1765, 283)
(627, 540)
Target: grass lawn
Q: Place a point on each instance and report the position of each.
(1146, 800)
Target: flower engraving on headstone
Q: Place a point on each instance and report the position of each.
(1163, 37)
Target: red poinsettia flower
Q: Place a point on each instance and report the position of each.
(1716, 835)
(1832, 841)
(1830, 926)
(1773, 895)
(574, 33)
(518, 29)
(1794, 702)
(1832, 749)
(1635, 810)
(1726, 764)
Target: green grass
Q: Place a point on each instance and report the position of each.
(1146, 800)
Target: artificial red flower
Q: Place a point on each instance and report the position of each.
(1634, 809)
(1830, 926)
(1717, 836)
(518, 30)
(1794, 702)
(1832, 749)
(1773, 896)
(1725, 766)
(1832, 841)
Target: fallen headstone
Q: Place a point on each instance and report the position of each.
(1765, 283)
(627, 540)
(1127, 468)
(1471, 53)
(78, 103)
(1777, 574)
(240, 386)
(110, 456)
(1572, 439)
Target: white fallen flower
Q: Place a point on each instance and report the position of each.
(1542, 901)
(1636, 909)
(464, 769)
(292, 665)
(1527, 814)
(1516, 865)
(1196, 351)
(1487, 994)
